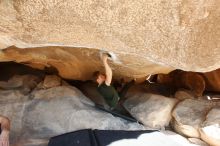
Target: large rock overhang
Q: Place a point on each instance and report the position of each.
(148, 37)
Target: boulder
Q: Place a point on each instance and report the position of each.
(210, 129)
(189, 115)
(158, 138)
(197, 141)
(212, 80)
(51, 81)
(10, 96)
(148, 37)
(24, 83)
(152, 110)
(197, 83)
(181, 79)
(54, 111)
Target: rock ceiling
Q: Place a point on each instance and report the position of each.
(147, 36)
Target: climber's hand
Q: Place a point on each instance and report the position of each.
(104, 57)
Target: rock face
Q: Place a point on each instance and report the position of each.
(181, 79)
(197, 141)
(184, 94)
(210, 130)
(53, 111)
(189, 116)
(196, 82)
(51, 81)
(198, 119)
(147, 36)
(162, 138)
(23, 83)
(212, 80)
(152, 110)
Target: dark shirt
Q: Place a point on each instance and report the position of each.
(109, 94)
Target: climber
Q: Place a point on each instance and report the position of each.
(5, 128)
(113, 98)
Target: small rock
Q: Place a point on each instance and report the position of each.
(152, 110)
(51, 81)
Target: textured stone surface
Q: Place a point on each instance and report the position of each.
(197, 141)
(51, 81)
(54, 111)
(158, 138)
(184, 94)
(212, 80)
(196, 82)
(189, 115)
(182, 79)
(148, 36)
(8, 96)
(80, 63)
(210, 129)
(152, 110)
(23, 83)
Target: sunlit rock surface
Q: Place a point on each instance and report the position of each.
(189, 115)
(56, 109)
(147, 36)
(210, 129)
(53, 111)
(80, 63)
(152, 110)
(197, 141)
(164, 138)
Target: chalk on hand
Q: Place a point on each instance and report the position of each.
(112, 56)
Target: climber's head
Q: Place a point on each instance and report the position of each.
(99, 77)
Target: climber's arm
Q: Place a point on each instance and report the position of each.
(108, 70)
